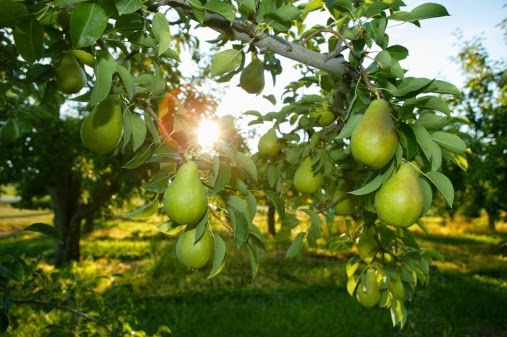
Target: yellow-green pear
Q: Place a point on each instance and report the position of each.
(268, 144)
(366, 244)
(374, 139)
(252, 77)
(102, 129)
(186, 199)
(368, 292)
(194, 255)
(70, 77)
(346, 206)
(399, 202)
(324, 115)
(304, 178)
(397, 288)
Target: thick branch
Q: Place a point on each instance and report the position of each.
(248, 32)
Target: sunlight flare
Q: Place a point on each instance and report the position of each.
(208, 133)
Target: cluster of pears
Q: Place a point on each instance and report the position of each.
(399, 202)
(102, 129)
(186, 202)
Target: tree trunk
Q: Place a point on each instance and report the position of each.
(88, 225)
(65, 200)
(271, 220)
(491, 222)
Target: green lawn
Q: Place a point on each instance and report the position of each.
(130, 269)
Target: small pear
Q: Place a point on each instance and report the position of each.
(268, 144)
(344, 207)
(185, 199)
(399, 202)
(9, 131)
(368, 292)
(194, 255)
(366, 244)
(305, 180)
(102, 129)
(70, 77)
(252, 77)
(324, 115)
(374, 139)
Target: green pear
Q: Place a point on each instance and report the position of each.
(10, 131)
(368, 292)
(374, 139)
(102, 129)
(344, 207)
(324, 115)
(194, 255)
(305, 180)
(366, 244)
(70, 77)
(397, 289)
(399, 202)
(268, 144)
(186, 199)
(252, 77)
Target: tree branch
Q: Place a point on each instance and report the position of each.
(248, 32)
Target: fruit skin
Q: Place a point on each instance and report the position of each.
(186, 199)
(324, 116)
(347, 206)
(399, 202)
(374, 139)
(70, 77)
(304, 179)
(84, 57)
(268, 144)
(368, 293)
(397, 289)
(366, 244)
(102, 129)
(194, 256)
(252, 77)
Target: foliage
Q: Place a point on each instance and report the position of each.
(132, 48)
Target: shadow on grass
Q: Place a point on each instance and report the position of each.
(31, 247)
(460, 239)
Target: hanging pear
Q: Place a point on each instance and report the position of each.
(268, 144)
(194, 255)
(368, 292)
(102, 129)
(366, 244)
(305, 180)
(346, 206)
(185, 199)
(324, 115)
(70, 77)
(9, 132)
(374, 139)
(399, 202)
(252, 77)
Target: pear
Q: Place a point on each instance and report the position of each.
(324, 115)
(268, 144)
(344, 207)
(366, 244)
(252, 77)
(185, 199)
(10, 131)
(305, 180)
(397, 289)
(368, 292)
(194, 255)
(102, 129)
(399, 202)
(374, 139)
(70, 77)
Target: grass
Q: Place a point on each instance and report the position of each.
(129, 267)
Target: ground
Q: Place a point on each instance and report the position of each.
(130, 269)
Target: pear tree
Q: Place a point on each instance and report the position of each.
(354, 126)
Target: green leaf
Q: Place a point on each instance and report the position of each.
(383, 59)
(239, 225)
(443, 184)
(127, 80)
(276, 201)
(407, 140)
(423, 139)
(430, 121)
(427, 11)
(428, 195)
(223, 177)
(248, 164)
(397, 52)
(398, 313)
(222, 8)
(375, 183)
(157, 184)
(201, 226)
(127, 127)
(128, 6)
(11, 12)
(219, 257)
(411, 86)
(250, 4)
(226, 61)
(87, 23)
(296, 246)
(351, 266)
(449, 142)
(45, 229)
(29, 40)
(104, 71)
(342, 5)
(436, 157)
(144, 212)
(251, 204)
(430, 102)
(140, 157)
(349, 127)
(138, 131)
(236, 202)
(442, 87)
(160, 27)
(315, 229)
(254, 258)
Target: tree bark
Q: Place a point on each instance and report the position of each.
(491, 219)
(271, 220)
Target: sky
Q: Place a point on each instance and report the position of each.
(431, 49)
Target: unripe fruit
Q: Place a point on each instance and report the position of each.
(186, 199)
(252, 77)
(70, 77)
(102, 129)
(399, 202)
(194, 255)
(304, 179)
(323, 115)
(397, 289)
(368, 293)
(10, 131)
(374, 139)
(268, 144)
(366, 244)
(344, 207)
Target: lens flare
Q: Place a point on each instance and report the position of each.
(208, 133)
